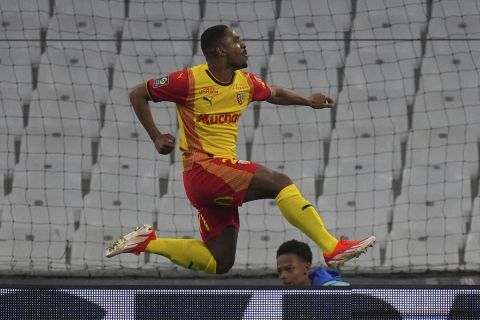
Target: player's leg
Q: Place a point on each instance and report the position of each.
(188, 253)
(269, 184)
(215, 188)
(216, 253)
(224, 248)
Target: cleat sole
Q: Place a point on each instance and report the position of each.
(339, 263)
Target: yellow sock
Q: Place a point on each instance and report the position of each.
(300, 213)
(189, 253)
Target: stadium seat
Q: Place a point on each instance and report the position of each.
(438, 181)
(32, 245)
(108, 12)
(111, 191)
(373, 102)
(447, 95)
(131, 70)
(65, 150)
(358, 175)
(311, 65)
(155, 56)
(426, 235)
(111, 210)
(88, 246)
(73, 110)
(177, 217)
(23, 20)
(448, 72)
(127, 143)
(454, 19)
(374, 144)
(89, 35)
(119, 108)
(385, 65)
(253, 19)
(16, 72)
(439, 109)
(45, 177)
(379, 19)
(39, 7)
(11, 128)
(304, 72)
(357, 215)
(290, 143)
(451, 148)
(273, 115)
(7, 152)
(166, 12)
(306, 65)
(75, 67)
(11, 110)
(333, 16)
(429, 218)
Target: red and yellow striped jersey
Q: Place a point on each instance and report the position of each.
(208, 110)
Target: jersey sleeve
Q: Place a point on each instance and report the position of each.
(172, 87)
(261, 91)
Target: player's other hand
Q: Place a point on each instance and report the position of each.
(320, 101)
(165, 143)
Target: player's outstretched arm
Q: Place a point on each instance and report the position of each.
(164, 143)
(285, 96)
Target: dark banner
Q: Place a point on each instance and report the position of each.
(238, 304)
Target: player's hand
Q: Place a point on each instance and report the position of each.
(165, 143)
(320, 101)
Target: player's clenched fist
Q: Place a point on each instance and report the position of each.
(164, 143)
(320, 101)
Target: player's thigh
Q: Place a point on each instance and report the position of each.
(218, 182)
(266, 184)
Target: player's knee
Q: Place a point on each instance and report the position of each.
(281, 181)
(225, 264)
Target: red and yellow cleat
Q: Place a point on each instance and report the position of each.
(346, 250)
(134, 242)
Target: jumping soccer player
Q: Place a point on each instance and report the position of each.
(210, 99)
(294, 267)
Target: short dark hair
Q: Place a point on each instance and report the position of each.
(211, 37)
(301, 249)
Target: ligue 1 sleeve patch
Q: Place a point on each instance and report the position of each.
(160, 82)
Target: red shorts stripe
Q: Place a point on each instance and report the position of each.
(216, 188)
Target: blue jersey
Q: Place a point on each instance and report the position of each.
(326, 277)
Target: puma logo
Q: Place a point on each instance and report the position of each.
(209, 100)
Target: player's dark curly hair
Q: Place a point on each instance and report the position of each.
(210, 39)
(301, 249)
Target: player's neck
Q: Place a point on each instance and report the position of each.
(221, 72)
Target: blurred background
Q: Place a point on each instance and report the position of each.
(397, 158)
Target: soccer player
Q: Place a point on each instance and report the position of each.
(294, 267)
(210, 98)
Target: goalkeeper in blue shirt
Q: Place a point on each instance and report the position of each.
(294, 266)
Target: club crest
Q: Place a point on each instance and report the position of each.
(240, 97)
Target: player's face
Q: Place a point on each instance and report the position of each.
(292, 270)
(235, 49)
